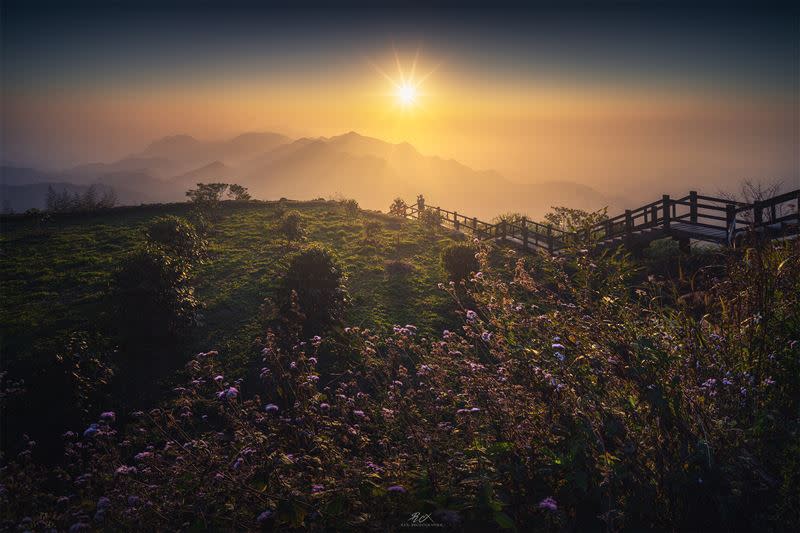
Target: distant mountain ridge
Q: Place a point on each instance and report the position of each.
(272, 165)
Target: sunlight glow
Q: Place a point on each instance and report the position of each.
(406, 85)
(407, 94)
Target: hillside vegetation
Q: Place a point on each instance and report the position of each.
(393, 376)
(58, 271)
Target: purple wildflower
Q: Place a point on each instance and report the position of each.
(108, 416)
(399, 489)
(271, 408)
(486, 336)
(124, 470)
(266, 516)
(231, 393)
(548, 503)
(471, 315)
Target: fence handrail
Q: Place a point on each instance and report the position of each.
(660, 213)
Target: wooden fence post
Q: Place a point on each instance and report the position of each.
(550, 239)
(758, 213)
(654, 215)
(730, 223)
(524, 233)
(628, 225)
(693, 207)
(455, 220)
(797, 207)
(665, 202)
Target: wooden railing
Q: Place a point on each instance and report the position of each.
(695, 215)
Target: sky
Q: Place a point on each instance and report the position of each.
(614, 95)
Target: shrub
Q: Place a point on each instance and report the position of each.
(237, 192)
(291, 225)
(207, 195)
(176, 236)
(318, 281)
(350, 207)
(459, 261)
(430, 220)
(152, 296)
(510, 218)
(398, 208)
(372, 229)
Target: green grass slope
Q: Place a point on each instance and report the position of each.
(56, 274)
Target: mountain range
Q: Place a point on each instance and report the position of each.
(272, 166)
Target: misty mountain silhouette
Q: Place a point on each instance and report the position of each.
(205, 174)
(370, 170)
(188, 152)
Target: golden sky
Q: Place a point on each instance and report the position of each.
(605, 103)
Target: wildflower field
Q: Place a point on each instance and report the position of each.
(324, 371)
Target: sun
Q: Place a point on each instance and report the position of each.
(407, 94)
(406, 85)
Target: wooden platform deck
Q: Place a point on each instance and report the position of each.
(693, 217)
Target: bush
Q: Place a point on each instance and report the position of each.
(430, 220)
(398, 208)
(291, 225)
(237, 192)
(207, 196)
(372, 229)
(459, 261)
(350, 207)
(176, 236)
(510, 218)
(152, 296)
(318, 281)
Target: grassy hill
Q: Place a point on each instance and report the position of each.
(578, 392)
(56, 274)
